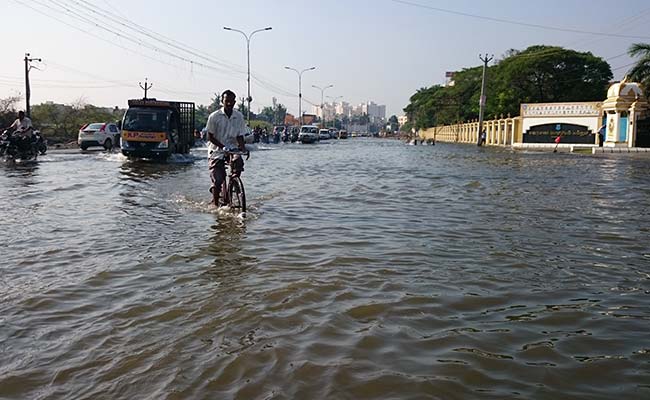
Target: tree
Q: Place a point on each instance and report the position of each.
(8, 110)
(267, 114)
(62, 122)
(535, 75)
(640, 72)
(244, 109)
(216, 103)
(362, 119)
(394, 123)
(202, 112)
(280, 112)
(543, 74)
(201, 115)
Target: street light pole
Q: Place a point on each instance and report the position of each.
(248, 62)
(322, 91)
(300, 89)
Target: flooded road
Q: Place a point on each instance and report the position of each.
(365, 269)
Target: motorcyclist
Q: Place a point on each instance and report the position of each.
(23, 127)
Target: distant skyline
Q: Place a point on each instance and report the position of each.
(381, 51)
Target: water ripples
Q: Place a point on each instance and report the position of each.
(363, 269)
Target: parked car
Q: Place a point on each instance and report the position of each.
(323, 134)
(104, 134)
(308, 134)
(343, 134)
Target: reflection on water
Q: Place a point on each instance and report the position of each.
(364, 269)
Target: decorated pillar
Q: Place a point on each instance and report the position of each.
(638, 109)
(623, 106)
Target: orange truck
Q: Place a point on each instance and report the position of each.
(157, 128)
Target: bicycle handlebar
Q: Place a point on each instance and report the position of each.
(238, 152)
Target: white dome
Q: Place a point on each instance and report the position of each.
(625, 89)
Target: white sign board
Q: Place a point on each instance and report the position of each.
(591, 109)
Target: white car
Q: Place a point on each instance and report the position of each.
(308, 134)
(249, 138)
(103, 134)
(324, 134)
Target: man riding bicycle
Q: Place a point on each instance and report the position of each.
(226, 129)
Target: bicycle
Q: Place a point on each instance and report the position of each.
(232, 191)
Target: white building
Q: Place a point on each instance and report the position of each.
(376, 112)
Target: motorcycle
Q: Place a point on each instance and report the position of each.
(15, 148)
(40, 142)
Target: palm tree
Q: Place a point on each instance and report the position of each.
(640, 72)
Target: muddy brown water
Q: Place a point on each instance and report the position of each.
(365, 269)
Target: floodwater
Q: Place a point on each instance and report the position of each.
(365, 269)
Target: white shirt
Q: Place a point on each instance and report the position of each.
(225, 130)
(21, 126)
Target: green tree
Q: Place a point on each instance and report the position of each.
(640, 72)
(201, 115)
(267, 114)
(215, 104)
(262, 125)
(8, 110)
(202, 112)
(362, 119)
(543, 74)
(280, 112)
(394, 123)
(62, 122)
(536, 74)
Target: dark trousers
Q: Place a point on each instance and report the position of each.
(218, 170)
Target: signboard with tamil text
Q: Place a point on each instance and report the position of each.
(589, 109)
(569, 133)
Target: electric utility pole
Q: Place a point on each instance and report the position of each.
(482, 101)
(28, 92)
(145, 87)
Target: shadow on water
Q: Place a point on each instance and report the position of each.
(142, 170)
(21, 171)
(225, 246)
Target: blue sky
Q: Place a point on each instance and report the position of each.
(381, 50)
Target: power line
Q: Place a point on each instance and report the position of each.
(624, 66)
(79, 16)
(621, 25)
(88, 33)
(273, 88)
(507, 21)
(228, 67)
(140, 42)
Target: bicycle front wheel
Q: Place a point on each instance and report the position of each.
(237, 194)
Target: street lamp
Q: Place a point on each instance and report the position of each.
(300, 89)
(334, 99)
(248, 58)
(322, 91)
